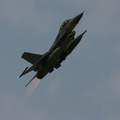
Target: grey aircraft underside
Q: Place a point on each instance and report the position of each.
(64, 44)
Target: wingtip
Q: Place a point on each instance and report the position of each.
(84, 32)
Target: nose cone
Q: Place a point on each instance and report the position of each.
(77, 18)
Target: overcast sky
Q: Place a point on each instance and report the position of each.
(86, 87)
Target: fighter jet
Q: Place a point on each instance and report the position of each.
(63, 45)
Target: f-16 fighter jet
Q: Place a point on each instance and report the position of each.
(64, 44)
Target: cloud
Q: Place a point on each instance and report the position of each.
(12, 108)
(15, 11)
(101, 16)
(25, 13)
(115, 82)
(54, 86)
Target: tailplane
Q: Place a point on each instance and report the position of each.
(31, 57)
(31, 80)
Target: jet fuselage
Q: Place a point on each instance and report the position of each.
(63, 39)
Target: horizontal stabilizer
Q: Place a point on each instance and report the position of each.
(30, 80)
(31, 57)
(23, 72)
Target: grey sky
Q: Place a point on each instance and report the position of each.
(87, 86)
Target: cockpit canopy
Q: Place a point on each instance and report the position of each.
(64, 24)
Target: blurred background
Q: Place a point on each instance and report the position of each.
(86, 86)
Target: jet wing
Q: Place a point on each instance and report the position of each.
(27, 70)
(31, 57)
(35, 66)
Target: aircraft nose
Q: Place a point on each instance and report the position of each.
(77, 18)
